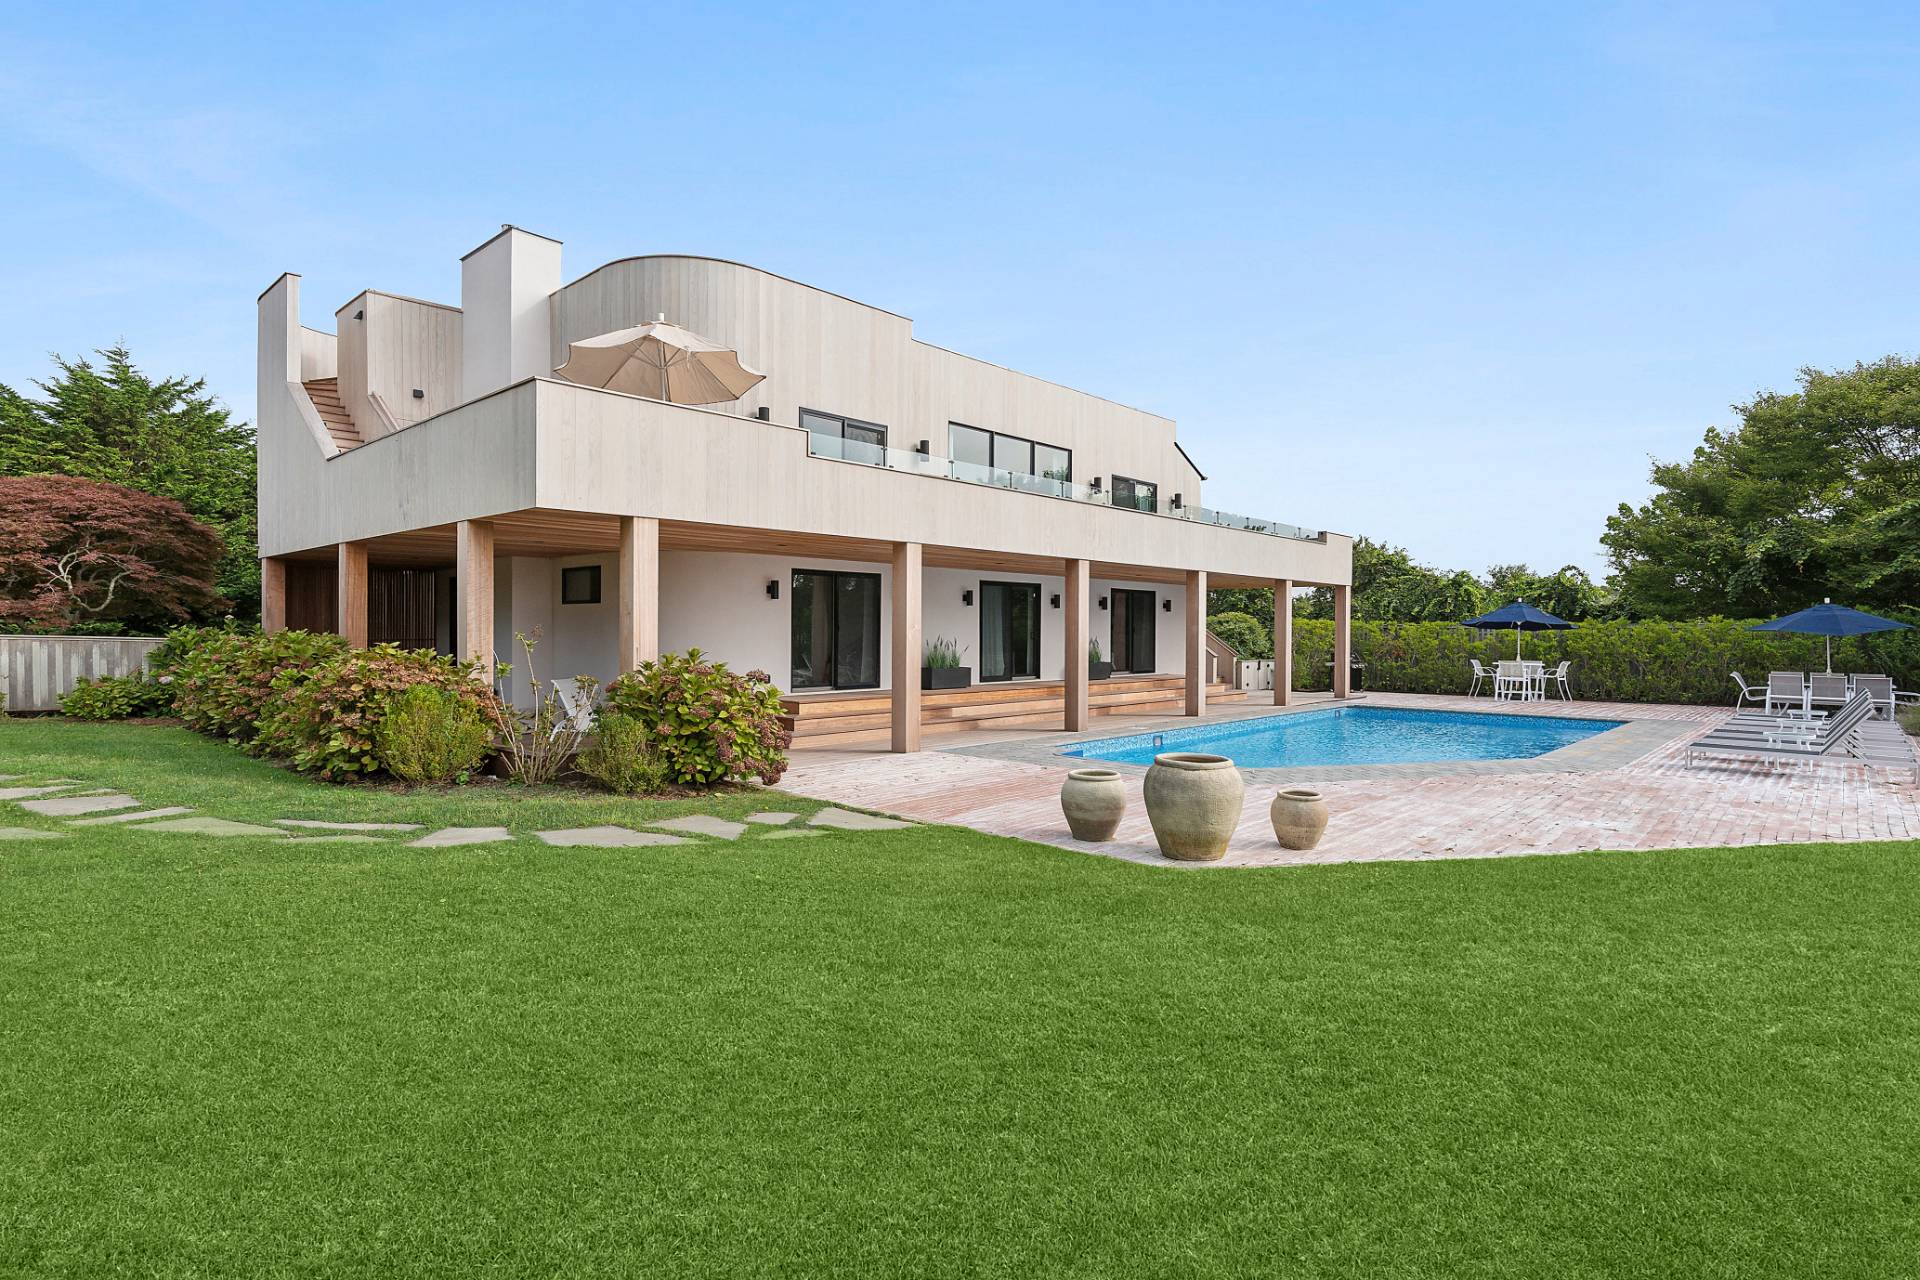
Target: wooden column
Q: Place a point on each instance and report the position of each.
(473, 588)
(639, 591)
(1079, 579)
(1282, 642)
(906, 646)
(1196, 642)
(273, 594)
(350, 609)
(1342, 641)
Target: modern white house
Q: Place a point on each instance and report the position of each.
(428, 477)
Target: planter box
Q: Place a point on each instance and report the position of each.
(945, 677)
(1099, 671)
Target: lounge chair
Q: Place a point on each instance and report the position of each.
(1758, 737)
(1786, 689)
(1748, 692)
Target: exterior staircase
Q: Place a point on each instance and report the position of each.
(325, 394)
(862, 717)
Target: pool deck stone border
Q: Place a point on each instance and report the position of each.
(1611, 749)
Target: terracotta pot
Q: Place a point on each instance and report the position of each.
(1193, 802)
(1299, 818)
(1094, 801)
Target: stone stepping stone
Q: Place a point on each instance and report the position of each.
(210, 827)
(344, 837)
(347, 826)
(793, 833)
(772, 819)
(606, 837)
(448, 837)
(30, 833)
(141, 816)
(703, 824)
(75, 806)
(27, 793)
(845, 821)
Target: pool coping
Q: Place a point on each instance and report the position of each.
(1611, 749)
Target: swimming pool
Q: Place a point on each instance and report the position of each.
(1357, 735)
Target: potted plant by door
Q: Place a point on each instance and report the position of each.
(1096, 669)
(940, 666)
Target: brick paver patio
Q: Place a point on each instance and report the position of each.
(1653, 802)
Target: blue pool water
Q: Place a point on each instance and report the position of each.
(1357, 735)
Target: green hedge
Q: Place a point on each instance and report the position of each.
(1612, 661)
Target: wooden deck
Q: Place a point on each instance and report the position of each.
(854, 717)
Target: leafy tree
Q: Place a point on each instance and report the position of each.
(115, 424)
(1815, 493)
(1251, 637)
(75, 552)
(1568, 593)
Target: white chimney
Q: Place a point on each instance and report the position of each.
(505, 331)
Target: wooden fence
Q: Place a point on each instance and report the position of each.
(35, 671)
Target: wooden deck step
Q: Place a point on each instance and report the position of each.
(325, 394)
(847, 718)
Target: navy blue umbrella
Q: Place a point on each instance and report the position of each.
(1520, 616)
(1829, 619)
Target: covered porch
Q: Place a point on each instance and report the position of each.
(609, 592)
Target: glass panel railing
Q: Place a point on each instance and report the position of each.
(873, 455)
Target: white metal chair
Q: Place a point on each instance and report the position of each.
(1480, 676)
(1827, 691)
(1558, 679)
(1787, 689)
(1748, 692)
(1510, 680)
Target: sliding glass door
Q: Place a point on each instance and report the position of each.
(1009, 631)
(836, 630)
(1133, 630)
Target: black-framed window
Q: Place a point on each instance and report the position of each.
(1009, 631)
(580, 584)
(836, 630)
(1141, 495)
(982, 450)
(834, 436)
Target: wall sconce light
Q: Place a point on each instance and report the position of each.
(773, 588)
(1103, 602)
(1166, 606)
(418, 394)
(764, 413)
(1176, 502)
(924, 448)
(1094, 484)
(966, 597)
(1056, 602)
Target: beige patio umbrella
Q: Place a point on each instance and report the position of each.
(662, 361)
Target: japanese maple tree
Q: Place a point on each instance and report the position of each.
(83, 551)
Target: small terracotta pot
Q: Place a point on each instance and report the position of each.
(1193, 802)
(1094, 801)
(1299, 818)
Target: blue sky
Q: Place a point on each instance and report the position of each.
(1441, 274)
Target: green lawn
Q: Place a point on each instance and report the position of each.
(929, 1053)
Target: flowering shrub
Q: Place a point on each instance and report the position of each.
(225, 682)
(327, 717)
(117, 698)
(709, 723)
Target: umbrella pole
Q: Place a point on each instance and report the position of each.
(1829, 655)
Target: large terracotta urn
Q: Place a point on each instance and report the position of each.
(1094, 801)
(1193, 802)
(1299, 818)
